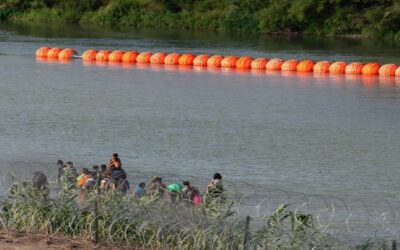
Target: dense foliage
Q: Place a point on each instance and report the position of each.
(368, 17)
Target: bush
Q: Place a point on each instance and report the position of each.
(372, 17)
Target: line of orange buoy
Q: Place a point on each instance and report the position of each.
(245, 62)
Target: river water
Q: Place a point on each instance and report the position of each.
(326, 143)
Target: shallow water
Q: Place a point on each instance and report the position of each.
(279, 137)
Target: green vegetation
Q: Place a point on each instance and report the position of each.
(379, 18)
(154, 223)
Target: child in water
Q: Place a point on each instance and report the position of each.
(140, 190)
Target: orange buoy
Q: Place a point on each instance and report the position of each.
(290, 65)
(42, 52)
(387, 70)
(103, 55)
(89, 55)
(66, 54)
(144, 57)
(244, 62)
(157, 58)
(274, 64)
(200, 60)
(337, 68)
(259, 63)
(116, 56)
(229, 62)
(370, 69)
(305, 66)
(53, 53)
(129, 56)
(186, 59)
(322, 67)
(354, 68)
(215, 61)
(397, 72)
(172, 59)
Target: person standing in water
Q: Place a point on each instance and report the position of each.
(191, 194)
(60, 165)
(214, 189)
(140, 190)
(115, 162)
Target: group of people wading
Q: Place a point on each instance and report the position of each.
(113, 177)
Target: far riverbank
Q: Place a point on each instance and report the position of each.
(323, 18)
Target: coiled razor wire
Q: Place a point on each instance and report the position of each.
(349, 220)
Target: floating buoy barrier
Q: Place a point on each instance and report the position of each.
(158, 58)
(337, 68)
(322, 67)
(229, 62)
(370, 69)
(289, 65)
(274, 64)
(387, 70)
(354, 68)
(172, 59)
(215, 61)
(66, 54)
(42, 52)
(201, 60)
(130, 57)
(116, 56)
(89, 55)
(53, 53)
(305, 66)
(259, 63)
(144, 57)
(103, 55)
(186, 59)
(243, 63)
(397, 72)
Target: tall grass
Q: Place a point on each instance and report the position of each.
(153, 222)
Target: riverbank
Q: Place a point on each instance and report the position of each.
(372, 19)
(151, 221)
(33, 217)
(20, 240)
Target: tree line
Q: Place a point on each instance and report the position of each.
(378, 18)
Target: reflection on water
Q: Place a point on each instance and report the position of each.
(367, 81)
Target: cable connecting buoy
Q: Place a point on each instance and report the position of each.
(244, 63)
